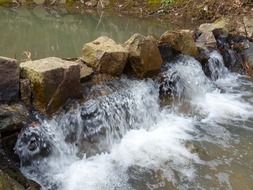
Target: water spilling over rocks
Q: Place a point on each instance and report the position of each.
(127, 140)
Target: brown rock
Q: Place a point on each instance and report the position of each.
(25, 91)
(221, 23)
(53, 81)
(181, 41)
(9, 79)
(7, 183)
(12, 117)
(105, 56)
(85, 72)
(144, 56)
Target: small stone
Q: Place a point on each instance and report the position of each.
(206, 39)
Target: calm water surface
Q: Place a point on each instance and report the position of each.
(59, 33)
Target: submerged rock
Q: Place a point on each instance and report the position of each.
(12, 117)
(105, 56)
(9, 79)
(144, 56)
(53, 81)
(181, 41)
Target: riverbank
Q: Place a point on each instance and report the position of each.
(178, 12)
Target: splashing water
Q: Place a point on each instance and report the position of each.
(126, 140)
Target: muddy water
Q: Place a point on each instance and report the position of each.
(47, 32)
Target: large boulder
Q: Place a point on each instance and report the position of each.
(181, 41)
(105, 56)
(144, 57)
(9, 79)
(53, 81)
(12, 117)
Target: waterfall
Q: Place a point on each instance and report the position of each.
(127, 140)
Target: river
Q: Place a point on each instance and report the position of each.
(132, 137)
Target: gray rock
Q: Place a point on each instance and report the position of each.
(9, 79)
(206, 39)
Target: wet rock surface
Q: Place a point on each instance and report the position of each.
(51, 79)
(11, 177)
(181, 41)
(9, 79)
(144, 56)
(104, 55)
(12, 117)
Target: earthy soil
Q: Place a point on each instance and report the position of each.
(186, 11)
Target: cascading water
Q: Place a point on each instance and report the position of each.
(127, 140)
